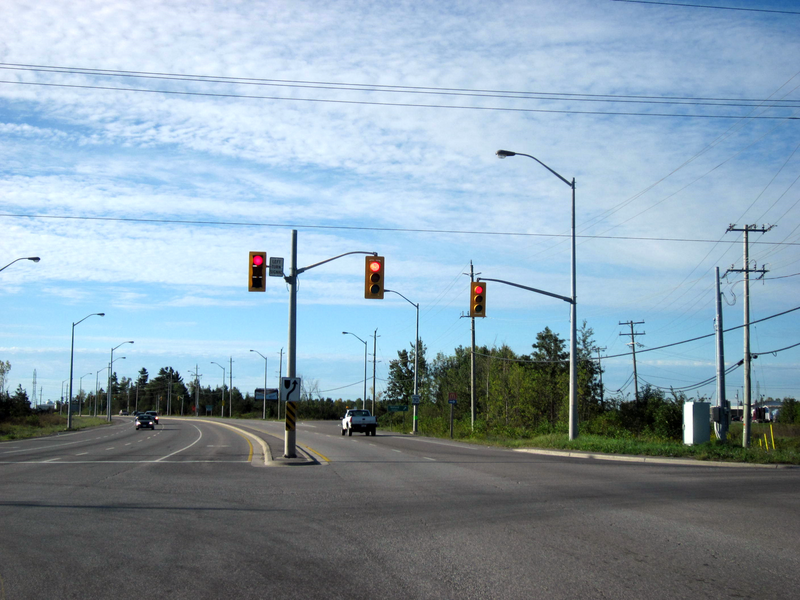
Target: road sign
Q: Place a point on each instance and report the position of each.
(415, 399)
(451, 396)
(453, 401)
(290, 389)
(275, 266)
(272, 395)
(398, 408)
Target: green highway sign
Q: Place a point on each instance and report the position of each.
(398, 408)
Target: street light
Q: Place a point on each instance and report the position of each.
(97, 388)
(80, 392)
(416, 357)
(364, 397)
(264, 416)
(110, 371)
(573, 334)
(71, 361)
(33, 258)
(223, 387)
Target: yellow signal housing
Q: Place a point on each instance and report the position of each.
(477, 299)
(257, 266)
(373, 278)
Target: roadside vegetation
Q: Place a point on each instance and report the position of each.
(19, 420)
(521, 401)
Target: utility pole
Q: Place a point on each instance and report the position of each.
(196, 391)
(746, 416)
(374, 357)
(472, 359)
(280, 376)
(600, 370)
(633, 348)
(723, 412)
(230, 389)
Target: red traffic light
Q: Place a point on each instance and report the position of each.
(477, 299)
(373, 277)
(255, 279)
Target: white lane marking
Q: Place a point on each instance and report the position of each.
(128, 444)
(400, 451)
(186, 448)
(113, 462)
(112, 447)
(426, 458)
(82, 454)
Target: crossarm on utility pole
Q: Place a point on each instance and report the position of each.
(530, 289)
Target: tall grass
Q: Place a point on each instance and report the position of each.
(43, 424)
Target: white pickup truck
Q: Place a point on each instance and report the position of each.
(359, 420)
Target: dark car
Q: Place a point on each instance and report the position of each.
(145, 420)
(153, 414)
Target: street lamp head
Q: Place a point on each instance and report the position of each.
(100, 314)
(34, 258)
(505, 153)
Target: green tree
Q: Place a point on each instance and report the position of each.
(550, 368)
(400, 384)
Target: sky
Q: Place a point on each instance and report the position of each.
(148, 147)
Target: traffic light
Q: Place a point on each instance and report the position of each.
(258, 263)
(373, 278)
(477, 299)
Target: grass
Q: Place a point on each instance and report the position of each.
(786, 437)
(40, 425)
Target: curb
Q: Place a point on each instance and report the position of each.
(692, 462)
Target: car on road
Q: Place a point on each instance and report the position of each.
(153, 414)
(359, 420)
(145, 420)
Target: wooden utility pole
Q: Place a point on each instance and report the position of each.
(746, 416)
(632, 344)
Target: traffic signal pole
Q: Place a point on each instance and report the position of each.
(290, 445)
(291, 360)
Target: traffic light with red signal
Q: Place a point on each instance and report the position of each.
(373, 278)
(477, 299)
(258, 264)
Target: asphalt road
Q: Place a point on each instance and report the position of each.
(191, 511)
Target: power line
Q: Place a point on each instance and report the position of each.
(398, 104)
(361, 228)
(780, 314)
(382, 88)
(766, 10)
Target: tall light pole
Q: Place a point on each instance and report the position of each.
(62, 395)
(573, 335)
(71, 362)
(96, 390)
(416, 357)
(364, 398)
(223, 386)
(80, 393)
(280, 376)
(33, 258)
(110, 371)
(264, 416)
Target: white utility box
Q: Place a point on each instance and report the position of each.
(696, 422)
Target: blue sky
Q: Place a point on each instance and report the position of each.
(145, 204)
